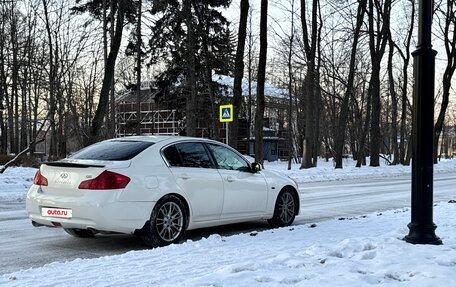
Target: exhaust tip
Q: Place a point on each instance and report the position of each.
(93, 230)
(36, 224)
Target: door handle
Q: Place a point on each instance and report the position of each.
(184, 176)
(229, 178)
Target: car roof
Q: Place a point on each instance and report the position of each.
(157, 139)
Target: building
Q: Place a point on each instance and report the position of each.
(154, 118)
(159, 117)
(447, 142)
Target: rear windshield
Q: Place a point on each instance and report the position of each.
(112, 150)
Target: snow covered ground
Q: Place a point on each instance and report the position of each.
(363, 251)
(15, 182)
(325, 171)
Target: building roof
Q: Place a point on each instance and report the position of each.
(149, 92)
(130, 94)
(269, 89)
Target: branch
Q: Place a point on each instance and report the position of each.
(34, 142)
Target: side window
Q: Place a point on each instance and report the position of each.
(194, 155)
(172, 156)
(228, 159)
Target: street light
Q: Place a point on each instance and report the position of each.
(422, 227)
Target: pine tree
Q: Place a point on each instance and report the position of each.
(191, 39)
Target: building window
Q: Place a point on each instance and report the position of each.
(273, 148)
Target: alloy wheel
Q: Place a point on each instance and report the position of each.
(169, 221)
(286, 207)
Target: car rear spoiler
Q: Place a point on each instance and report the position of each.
(71, 164)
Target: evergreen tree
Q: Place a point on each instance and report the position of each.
(191, 38)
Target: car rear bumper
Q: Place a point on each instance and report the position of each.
(97, 210)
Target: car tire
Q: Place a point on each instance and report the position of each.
(285, 208)
(81, 233)
(168, 222)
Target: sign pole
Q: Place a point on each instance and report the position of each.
(226, 116)
(226, 132)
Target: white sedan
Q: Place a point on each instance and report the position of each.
(157, 187)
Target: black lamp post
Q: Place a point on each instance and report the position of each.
(422, 227)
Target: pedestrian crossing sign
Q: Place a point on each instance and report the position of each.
(226, 113)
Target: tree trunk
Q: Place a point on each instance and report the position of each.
(250, 70)
(311, 84)
(52, 75)
(112, 96)
(375, 135)
(111, 122)
(192, 100)
(403, 148)
(290, 89)
(138, 71)
(3, 88)
(377, 44)
(363, 133)
(238, 73)
(24, 116)
(14, 127)
(394, 134)
(344, 110)
(100, 113)
(259, 112)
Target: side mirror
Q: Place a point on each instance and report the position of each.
(256, 167)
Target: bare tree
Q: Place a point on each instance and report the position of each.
(52, 75)
(290, 88)
(239, 72)
(311, 85)
(394, 104)
(100, 113)
(259, 112)
(3, 78)
(378, 39)
(448, 29)
(344, 109)
(404, 152)
(287, 50)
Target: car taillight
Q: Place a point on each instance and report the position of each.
(40, 179)
(106, 180)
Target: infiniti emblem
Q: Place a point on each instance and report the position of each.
(64, 175)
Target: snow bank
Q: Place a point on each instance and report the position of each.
(364, 251)
(15, 182)
(325, 171)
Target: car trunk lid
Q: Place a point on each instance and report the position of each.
(64, 177)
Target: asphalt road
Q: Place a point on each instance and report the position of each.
(23, 246)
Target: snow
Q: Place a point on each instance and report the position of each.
(269, 89)
(325, 171)
(14, 183)
(359, 251)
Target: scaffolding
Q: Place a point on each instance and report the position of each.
(153, 119)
